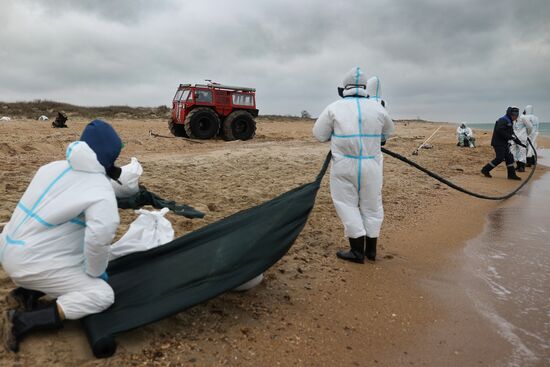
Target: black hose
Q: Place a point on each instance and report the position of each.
(461, 189)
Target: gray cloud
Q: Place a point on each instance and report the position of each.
(453, 60)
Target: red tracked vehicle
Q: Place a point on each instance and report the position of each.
(202, 111)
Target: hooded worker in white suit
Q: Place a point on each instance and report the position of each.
(374, 90)
(465, 136)
(58, 239)
(522, 130)
(357, 126)
(529, 115)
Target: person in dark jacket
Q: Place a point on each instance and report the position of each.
(503, 133)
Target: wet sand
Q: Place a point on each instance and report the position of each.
(507, 275)
(312, 309)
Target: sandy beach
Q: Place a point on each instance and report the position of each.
(312, 309)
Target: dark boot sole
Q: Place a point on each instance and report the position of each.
(6, 328)
(486, 174)
(350, 259)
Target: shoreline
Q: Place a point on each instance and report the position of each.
(312, 309)
(460, 335)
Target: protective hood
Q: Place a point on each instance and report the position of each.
(512, 110)
(374, 88)
(82, 158)
(104, 141)
(529, 110)
(355, 83)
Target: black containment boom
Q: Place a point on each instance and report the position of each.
(155, 284)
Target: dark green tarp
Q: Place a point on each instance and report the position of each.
(146, 197)
(203, 264)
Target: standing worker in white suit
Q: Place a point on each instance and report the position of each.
(374, 90)
(528, 115)
(58, 239)
(357, 127)
(522, 130)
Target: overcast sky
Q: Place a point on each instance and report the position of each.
(441, 60)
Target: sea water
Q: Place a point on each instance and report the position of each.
(544, 127)
(510, 267)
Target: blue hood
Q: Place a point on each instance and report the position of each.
(104, 141)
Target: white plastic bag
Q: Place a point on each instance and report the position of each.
(250, 284)
(129, 178)
(148, 231)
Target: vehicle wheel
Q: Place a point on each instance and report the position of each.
(177, 129)
(239, 125)
(202, 123)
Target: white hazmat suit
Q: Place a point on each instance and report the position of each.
(356, 125)
(374, 89)
(57, 240)
(463, 132)
(534, 120)
(522, 130)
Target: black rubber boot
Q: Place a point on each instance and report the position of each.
(512, 173)
(521, 167)
(370, 248)
(357, 252)
(16, 325)
(22, 299)
(486, 169)
(529, 162)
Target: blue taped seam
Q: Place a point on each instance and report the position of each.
(32, 210)
(358, 136)
(357, 81)
(34, 216)
(360, 121)
(11, 241)
(70, 151)
(78, 221)
(359, 157)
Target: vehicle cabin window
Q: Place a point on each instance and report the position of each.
(178, 95)
(184, 95)
(243, 99)
(203, 96)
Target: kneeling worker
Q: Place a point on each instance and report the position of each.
(503, 133)
(465, 136)
(57, 240)
(357, 127)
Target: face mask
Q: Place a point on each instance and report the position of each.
(114, 173)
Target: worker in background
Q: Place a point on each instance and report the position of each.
(374, 90)
(534, 120)
(357, 126)
(503, 133)
(522, 130)
(61, 120)
(58, 238)
(465, 136)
